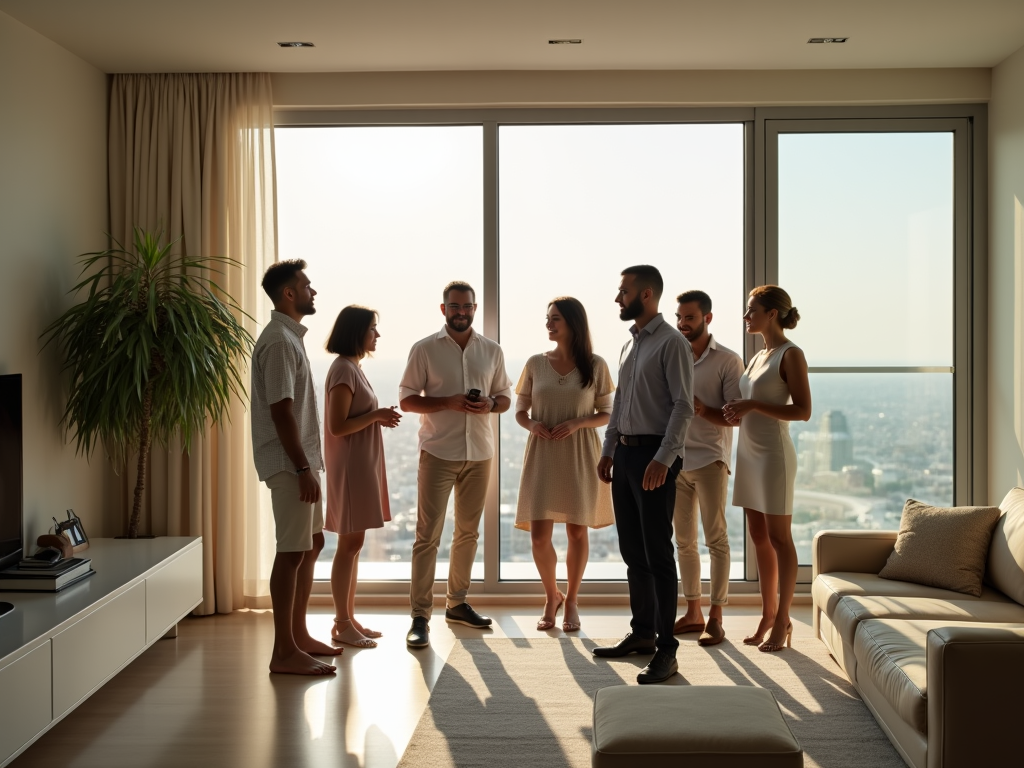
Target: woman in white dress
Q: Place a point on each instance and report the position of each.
(563, 395)
(775, 391)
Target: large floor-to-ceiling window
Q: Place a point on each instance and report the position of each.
(863, 224)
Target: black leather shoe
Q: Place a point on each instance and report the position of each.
(659, 669)
(627, 645)
(419, 633)
(464, 614)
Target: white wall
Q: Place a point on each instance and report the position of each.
(1006, 277)
(53, 206)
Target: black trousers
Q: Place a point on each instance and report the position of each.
(644, 523)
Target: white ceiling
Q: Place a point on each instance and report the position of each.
(390, 35)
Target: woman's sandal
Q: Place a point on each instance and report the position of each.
(367, 632)
(350, 636)
(767, 647)
(544, 623)
(567, 624)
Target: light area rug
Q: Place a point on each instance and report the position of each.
(529, 702)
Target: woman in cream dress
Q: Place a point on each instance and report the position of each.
(775, 392)
(563, 395)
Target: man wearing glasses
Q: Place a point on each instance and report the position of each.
(454, 379)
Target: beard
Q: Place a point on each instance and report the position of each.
(459, 323)
(695, 333)
(633, 310)
(306, 309)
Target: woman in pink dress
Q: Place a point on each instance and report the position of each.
(357, 484)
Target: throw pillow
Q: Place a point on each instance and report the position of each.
(942, 546)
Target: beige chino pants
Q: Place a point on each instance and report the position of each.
(705, 488)
(434, 482)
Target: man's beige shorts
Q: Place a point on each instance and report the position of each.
(296, 521)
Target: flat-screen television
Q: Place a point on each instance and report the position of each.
(11, 499)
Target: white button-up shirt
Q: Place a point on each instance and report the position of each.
(439, 367)
(716, 381)
(280, 370)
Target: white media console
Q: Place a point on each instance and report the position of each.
(56, 650)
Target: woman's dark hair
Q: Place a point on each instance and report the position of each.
(575, 317)
(772, 297)
(348, 337)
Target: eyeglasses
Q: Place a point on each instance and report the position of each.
(463, 307)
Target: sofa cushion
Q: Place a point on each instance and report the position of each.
(942, 546)
(829, 588)
(852, 610)
(1006, 553)
(893, 655)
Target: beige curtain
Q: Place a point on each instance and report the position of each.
(193, 155)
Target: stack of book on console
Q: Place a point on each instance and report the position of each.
(34, 576)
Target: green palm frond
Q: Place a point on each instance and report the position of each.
(153, 327)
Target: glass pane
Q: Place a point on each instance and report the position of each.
(874, 441)
(578, 204)
(385, 217)
(866, 246)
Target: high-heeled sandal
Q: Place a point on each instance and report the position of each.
(767, 647)
(544, 623)
(570, 626)
(756, 639)
(350, 636)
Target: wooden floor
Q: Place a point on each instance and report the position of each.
(206, 698)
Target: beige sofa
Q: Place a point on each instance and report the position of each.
(941, 671)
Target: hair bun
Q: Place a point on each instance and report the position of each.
(791, 319)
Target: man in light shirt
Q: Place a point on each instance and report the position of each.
(286, 450)
(454, 379)
(642, 454)
(705, 476)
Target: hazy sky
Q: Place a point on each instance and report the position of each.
(386, 216)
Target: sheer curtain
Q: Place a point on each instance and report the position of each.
(193, 155)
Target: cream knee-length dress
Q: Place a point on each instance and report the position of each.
(765, 455)
(559, 480)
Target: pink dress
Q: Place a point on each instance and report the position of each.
(357, 483)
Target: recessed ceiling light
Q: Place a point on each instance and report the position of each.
(575, 41)
(296, 45)
(828, 40)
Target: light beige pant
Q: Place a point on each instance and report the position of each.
(707, 488)
(434, 482)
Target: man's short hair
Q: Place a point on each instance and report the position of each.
(702, 299)
(458, 285)
(646, 276)
(280, 275)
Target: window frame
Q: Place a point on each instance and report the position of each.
(760, 254)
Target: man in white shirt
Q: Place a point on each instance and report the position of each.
(286, 451)
(705, 475)
(454, 379)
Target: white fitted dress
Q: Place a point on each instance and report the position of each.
(765, 455)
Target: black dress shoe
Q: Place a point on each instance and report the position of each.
(419, 633)
(659, 669)
(627, 645)
(464, 614)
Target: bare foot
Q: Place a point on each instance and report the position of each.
(315, 648)
(366, 631)
(763, 627)
(570, 616)
(300, 663)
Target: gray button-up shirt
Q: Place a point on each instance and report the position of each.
(280, 370)
(655, 394)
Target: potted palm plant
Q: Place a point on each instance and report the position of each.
(154, 349)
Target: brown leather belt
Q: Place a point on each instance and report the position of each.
(636, 440)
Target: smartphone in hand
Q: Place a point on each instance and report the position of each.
(474, 395)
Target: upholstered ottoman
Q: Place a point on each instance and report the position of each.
(713, 726)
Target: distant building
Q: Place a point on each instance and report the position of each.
(830, 449)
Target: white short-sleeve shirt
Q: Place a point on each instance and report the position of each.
(439, 367)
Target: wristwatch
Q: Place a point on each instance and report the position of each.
(494, 402)
(300, 470)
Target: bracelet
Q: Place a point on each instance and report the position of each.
(302, 469)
